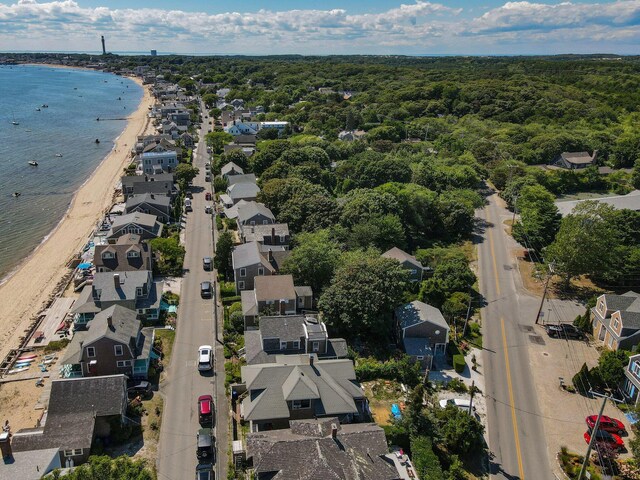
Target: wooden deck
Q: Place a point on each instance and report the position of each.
(53, 316)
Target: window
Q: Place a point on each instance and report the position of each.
(610, 342)
(635, 368)
(252, 223)
(138, 291)
(413, 272)
(420, 358)
(118, 350)
(298, 404)
(283, 345)
(243, 272)
(260, 271)
(123, 363)
(91, 352)
(283, 238)
(296, 344)
(616, 324)
(133, 254)
(73, 452)
(107, 255)
(241, 285)
(315, 346)
(265, 222)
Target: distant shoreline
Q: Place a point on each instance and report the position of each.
(36, 277)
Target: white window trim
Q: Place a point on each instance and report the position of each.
(315, 346)
(73, 452)
(296, 344)
(123, 363)
(115, 350)
(89, 350)
(243, 272)
(240, 285)
(420, 357)
(297, 404)
(283, 345)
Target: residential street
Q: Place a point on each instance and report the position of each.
(515, 430)
(195, 327)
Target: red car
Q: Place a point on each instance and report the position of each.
(205, 410)
(207, 196)
(605, 438)
(608, 424)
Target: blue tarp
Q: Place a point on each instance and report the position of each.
(395, 411)
(85, 266)
(632, 417)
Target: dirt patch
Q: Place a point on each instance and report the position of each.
(382, 394)
(17, 404)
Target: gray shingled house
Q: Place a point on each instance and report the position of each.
(275, 234)
(291, 335)
(616, 320)
(243, 191)
(254, 213)
(408, 262)
(143, 224)
(230, 169)
(249, 261)
(296, 387)
(80, 409)
(127, 254)
(575, 160)
(162, 184)
(158, 205)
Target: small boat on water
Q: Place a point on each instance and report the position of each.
(59, 155)
(38, 109)
(97, 141)
(15, 123)
(33, 163)
(29, 356)
(17, 370)
(44, 105)
(16, 194)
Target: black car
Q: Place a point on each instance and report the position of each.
(206, 290)
(204, 442)
(563, 330)
(204, 471)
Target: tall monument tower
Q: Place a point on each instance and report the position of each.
(104, 50)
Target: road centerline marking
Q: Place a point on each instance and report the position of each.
(511, 401)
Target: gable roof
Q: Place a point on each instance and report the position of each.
(307, 451)
(124, 326)
(120, 250)
(149, 198)
(248, 254)
(401, 256)
(143, 219)
(106, 290)
(578, 158)
(229, 167)
(628, 304)
(249, 210)
(246, 178)
(243, 190)
(285, 327)
(274, 287)
(259, 232)
(417, 312)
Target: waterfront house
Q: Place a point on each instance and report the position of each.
(254, 213)
(127, 254)
(135, 290)
(408, 262)
(324, 448)
(230, 169)
(297, 387)
(422, 331)
(158, 205)
(270, 235)
(575, 160)
(249, 262)
(291, 335)
(114, 343)
(80, 410)
(161, 184)
(616, 320)
(158, 162)
(273, 295)
(243, 191)
(143, 224)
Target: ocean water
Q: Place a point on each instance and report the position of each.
(68, 126)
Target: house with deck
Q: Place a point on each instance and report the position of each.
(143, 224)
(161, 184)
(616, 321)
(153, 163)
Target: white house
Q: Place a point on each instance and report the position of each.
(242, 128)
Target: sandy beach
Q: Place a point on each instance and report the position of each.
(27, 291)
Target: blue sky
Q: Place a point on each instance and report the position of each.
(412, 27)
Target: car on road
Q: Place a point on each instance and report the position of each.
(206, 290)
(563, 330)
(204, 441)
(205, 410)
(207, 196)
(187, 205)
(205, 358)
(611, 440)
(204, 471)
(461, 403)
(608, 424)
(208, 209)
(140, 388)
(207, 177)
(207, 263)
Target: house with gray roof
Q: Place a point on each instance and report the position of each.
(422, 331)
(249, 262)
(274, 234)
(80, 410)
(631, 386)
(143, 224)
(296, 387)
(273, 295)
(324, 448)
(616, 320)
(230, 169)
(127, 254)
(135, 290)
(115, 343)
(246, 178)
(161, 184)
(291, 335)
(630, 201)
(29, 464)
(575, 160)
(150, 203)
(243, 191)
(254, 213)
(408, 262)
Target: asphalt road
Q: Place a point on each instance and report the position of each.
(195, 327)
(515, 431)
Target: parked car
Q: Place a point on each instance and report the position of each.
(207, 196)
(206, 290)
(208, 209)
(608, 424)
(204, 439)
(461, 403)
(189, 194)
(141, 388)
(205, 410)
(204, 471)
(207, 263)
(563, 330)
(205, 358)
(610, 439)
(207, 177)
(187, 205)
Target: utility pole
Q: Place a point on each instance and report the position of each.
(515, 208)
(544, 292)
(466, 320)
(473, 391)
(592, 440)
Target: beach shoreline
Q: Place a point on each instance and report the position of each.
(27, 288)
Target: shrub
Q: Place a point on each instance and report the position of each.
(581, 380)
(583, 323)
(227, 289)
(56, 345)
(457, 385)
(403, 370)
(458, 363)
(425, 460)
(230, 300)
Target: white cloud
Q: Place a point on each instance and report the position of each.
(419, 27)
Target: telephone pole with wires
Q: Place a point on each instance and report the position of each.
(544, 292)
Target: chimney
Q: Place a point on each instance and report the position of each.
(334, 431)
(110, 322)
(116, 280)
(273, 236)
(270, 256)
(5, 445)
(311, 359)
(153, 196)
